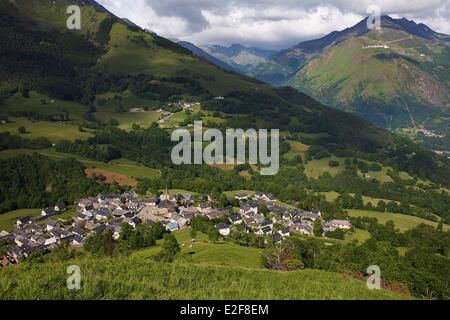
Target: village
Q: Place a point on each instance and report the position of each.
(110, 212)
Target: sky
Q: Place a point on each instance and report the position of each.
(270, 24)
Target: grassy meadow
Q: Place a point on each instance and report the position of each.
(401, 221)
(206, 270)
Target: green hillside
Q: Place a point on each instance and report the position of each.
(133, 278)
(396, 76)
(377, 83)
(203, 270)
(401, 221)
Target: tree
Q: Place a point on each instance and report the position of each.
(263, 210)
(171, 248)
(337, 234)
(333, 164)
(114, 122)
(282, 257)
(375, 167)
(213, 234)
(317, 229)
(193, 233)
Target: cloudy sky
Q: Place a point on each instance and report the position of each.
(267, 23)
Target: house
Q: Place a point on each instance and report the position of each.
(223, 228)
(134, 221)
(66, 235)
(105, 198)
(21, 241)
(302, 228)
(56, 232)
(129, 195)
(267, 223)
(241, 196)
(285, 232)
(50, 240)
(5, 235)
(86, 215)
(259, 195)
(166, 208)
(4, 262)
(120, 212)
(85, 205)
(172, 226)
(235, 219)
(94, 227)
(77, 241)
(37, 229)
(30, 248)
(38, 239)
(188, 215)
(217, 213)
(277, 209)
(204, 207)
(264, 231)
(50, 225)
(277, 237)
(246, 208)
(259, 218)
(15, 253)
(312, 215)
(102, 214)
(115, 228)
(23, 221)
(48, 212)
(151, 202)
(332, 225)
(79, 231)
(60, 207)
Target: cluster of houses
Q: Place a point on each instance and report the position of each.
(110, 212)
(184, 105)
(290, 220)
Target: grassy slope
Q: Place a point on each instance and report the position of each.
(134, 278)
(401, 221)
(126, 56)
(346, 71)
(205, 271)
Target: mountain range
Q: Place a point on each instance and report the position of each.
(396, 76)
(111, 57)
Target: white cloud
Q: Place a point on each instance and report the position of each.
(267, 23)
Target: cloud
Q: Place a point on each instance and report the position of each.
(267, 23)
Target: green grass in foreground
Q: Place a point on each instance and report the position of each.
(135, 278)
(401, 221)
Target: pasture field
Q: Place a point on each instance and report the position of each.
(53, 131)
(401, 221)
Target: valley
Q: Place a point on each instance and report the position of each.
(89, 115)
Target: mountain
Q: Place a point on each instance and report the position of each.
(202, 53)
(108, 61)
(395, 77)
(240, 58)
